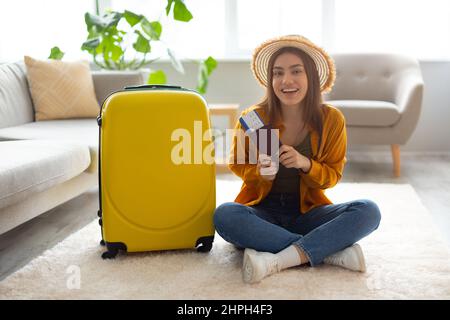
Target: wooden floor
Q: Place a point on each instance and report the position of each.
(428, 174)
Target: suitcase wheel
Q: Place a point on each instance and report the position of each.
(110, 254)
(102, 242)
(113, 249)
(204, 244)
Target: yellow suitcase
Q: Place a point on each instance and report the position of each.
(149, 200)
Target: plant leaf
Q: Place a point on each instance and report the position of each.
(110, 50)
(112, 19)
(115, 52)
(205, 69)
(101, 23)
(92, 20)
(152, 29)
(180, 12)
(157, 28)
(90, 45)
(210, 64)
(56, 54)
(169, 6)
(157, 77)
(132, 18)
(142, 44)
(175, 62)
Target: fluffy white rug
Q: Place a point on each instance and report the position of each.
(406, 259)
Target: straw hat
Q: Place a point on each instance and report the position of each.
(324, 63)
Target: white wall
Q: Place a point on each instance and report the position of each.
(233, 82)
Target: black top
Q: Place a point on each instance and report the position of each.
(287, 180)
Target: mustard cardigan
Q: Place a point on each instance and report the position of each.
(327, 163)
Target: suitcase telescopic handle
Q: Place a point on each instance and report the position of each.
(154, 86)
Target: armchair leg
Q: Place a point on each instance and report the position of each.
(396, 159)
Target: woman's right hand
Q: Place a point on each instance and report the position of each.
(266, 167)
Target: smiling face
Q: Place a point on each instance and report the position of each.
(293, 82)
(289, 79)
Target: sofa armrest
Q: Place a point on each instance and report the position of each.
(107, 82)
(408, 91)
(408, 98)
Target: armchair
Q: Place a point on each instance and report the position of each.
(380, 96)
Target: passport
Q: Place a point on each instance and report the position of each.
(261, 135)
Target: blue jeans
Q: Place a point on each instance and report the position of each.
(276, 223)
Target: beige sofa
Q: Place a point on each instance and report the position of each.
(45, 163)
(380, 96)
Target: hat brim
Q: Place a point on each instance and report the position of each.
(324, 63)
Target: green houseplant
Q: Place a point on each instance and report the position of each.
(123, 41)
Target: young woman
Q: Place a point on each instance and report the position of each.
(281, 214)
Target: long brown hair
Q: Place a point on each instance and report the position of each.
(312, 111)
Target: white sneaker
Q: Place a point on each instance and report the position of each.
(350, 258)
(258, 265)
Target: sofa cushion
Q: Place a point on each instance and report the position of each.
(15, 101)
(61, 89)
(31, 166)
(367, 112)
(75, 131)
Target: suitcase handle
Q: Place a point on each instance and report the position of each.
(154, 86)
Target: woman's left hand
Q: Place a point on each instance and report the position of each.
(290, 158)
